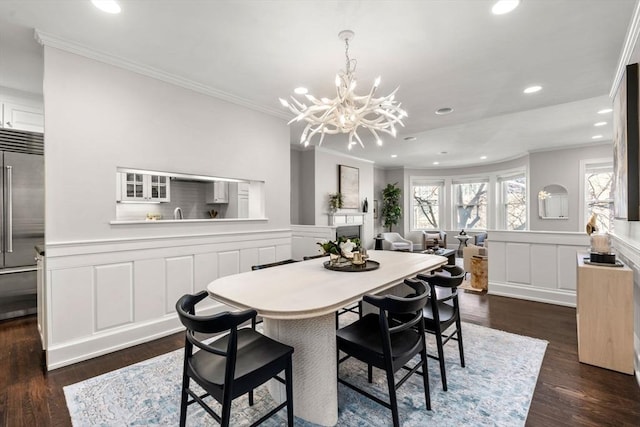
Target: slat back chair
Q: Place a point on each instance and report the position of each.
(231, 365)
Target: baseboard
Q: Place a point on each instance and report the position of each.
(549, 296)
(100, 344)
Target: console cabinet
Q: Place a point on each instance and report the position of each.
(605, 316)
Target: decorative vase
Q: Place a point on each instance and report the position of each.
(334, 259)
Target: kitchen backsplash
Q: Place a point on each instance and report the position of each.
(189, 196)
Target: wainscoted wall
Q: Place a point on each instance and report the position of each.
(626, 243)
(111, 294)
(305, 238)
(537, 266)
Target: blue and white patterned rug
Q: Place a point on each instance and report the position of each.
(494, 389)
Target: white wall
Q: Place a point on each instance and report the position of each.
(626, 243)
(110, 286)
(307, 185)
(99, 117)
(326, 167)
(561, 167)
(295, 185)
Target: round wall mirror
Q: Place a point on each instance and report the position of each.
(553, 202)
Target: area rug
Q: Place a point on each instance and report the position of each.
(495, 388)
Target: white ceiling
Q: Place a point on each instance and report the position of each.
(442, 53)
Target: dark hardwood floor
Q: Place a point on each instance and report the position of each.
(568, 393)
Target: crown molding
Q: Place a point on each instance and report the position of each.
(338, 153)
(50, 40)
(627, 49)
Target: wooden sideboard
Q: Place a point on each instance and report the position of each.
(604, 313)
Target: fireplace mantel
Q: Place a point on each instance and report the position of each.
(346, 218)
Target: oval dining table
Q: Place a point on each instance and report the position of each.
(298, 303)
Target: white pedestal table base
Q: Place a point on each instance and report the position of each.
(315, 386)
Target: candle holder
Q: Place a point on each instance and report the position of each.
(601, 249)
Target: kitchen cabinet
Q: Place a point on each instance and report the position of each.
(604, 315)
(22, 117)
(140, 187)
(217, 192)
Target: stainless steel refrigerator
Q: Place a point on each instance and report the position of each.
(21, 219)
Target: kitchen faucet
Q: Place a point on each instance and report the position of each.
(177, 213)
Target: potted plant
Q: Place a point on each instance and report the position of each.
(391, 209)
(335, 201)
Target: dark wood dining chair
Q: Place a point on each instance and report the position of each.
(443, 311)
(389, 340)
(232, 365)
(273, 264)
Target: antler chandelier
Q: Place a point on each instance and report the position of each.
(347, 112)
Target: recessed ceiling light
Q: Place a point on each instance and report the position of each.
(109, 6)
(605, 111)
(393, 156)
(504, 6)
(444, 110)
(410, 138)
(436, 163)
(596, 137)
(483, 157)
(600, 124)
(301, 90)
(533, 89)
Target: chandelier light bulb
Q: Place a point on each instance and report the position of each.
(347, 112)
(108, 6)
(504, 6)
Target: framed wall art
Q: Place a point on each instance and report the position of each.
(626, 151)
(349, 186)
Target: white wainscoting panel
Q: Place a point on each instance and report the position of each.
(102, 296)
(518, 263)
(544, 266)
(229, 263)
(71, 304)
(113, 283)
(535, 265)
(567, 270)
(266, 255)
(179, 273)
(498, 261)
(149, 290)
(248, 257)
(306, 237)
(205, 269)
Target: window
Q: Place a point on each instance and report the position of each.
(470, 204)
(598, 178)
(426, 202)
(514, 202)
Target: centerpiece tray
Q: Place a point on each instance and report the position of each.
(368, 265)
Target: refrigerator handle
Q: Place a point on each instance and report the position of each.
(9, 209)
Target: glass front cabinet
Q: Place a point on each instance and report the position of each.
(139, 187)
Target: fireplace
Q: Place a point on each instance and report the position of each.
(348, 231)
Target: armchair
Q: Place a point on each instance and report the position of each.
(434, 238)
(395, 242)
(479, 238)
